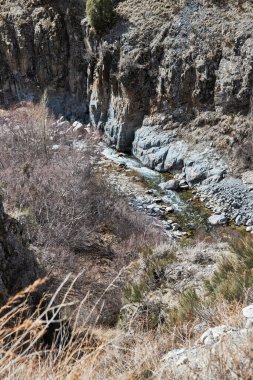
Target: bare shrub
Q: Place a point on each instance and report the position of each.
(60, 193)
(70, 213)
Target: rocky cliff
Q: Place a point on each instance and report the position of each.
(42, 48)
(170, 83)
(18, 266)
(178, 68)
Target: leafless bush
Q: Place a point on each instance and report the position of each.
(60, 193)
(70, 213)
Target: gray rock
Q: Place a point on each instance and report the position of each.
(214, 334)
(217, 219)
(172, 184)
(176, 154)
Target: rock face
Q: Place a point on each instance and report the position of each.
(170, 84)
(18, 267)
(42, 48)
(184, 71)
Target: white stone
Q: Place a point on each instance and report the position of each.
(217, 219)
(78, 127)
(248, 311)
(55, 147)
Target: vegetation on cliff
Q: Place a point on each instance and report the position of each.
(100, 14)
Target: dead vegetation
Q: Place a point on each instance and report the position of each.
(92, 352)
(70, 215)
(75, 221)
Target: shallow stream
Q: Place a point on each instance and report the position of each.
(188, 212)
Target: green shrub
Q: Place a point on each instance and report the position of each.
(152, 274)
(234, 274)
(134, 292)
(187, 308)
(100, 14)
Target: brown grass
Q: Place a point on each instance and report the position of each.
(90, 352)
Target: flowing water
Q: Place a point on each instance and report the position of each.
(187, 211)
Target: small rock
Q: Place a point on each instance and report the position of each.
(169, 210)
(175, 226)
(184, 187)
(248, 313)
(191, 226)
(78, 127)
(238, 220)
(172, 184)
(152, 206)
(55, 147)
(217, 219)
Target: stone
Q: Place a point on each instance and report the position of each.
(152, 206)
(169, 210)
(248, 314)
(175, 226)
(78, 127)
(158, 200)
(214, 334)
(248, 311)
(238, 220)
(172, 184)
(217, 219)
(55, 147)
